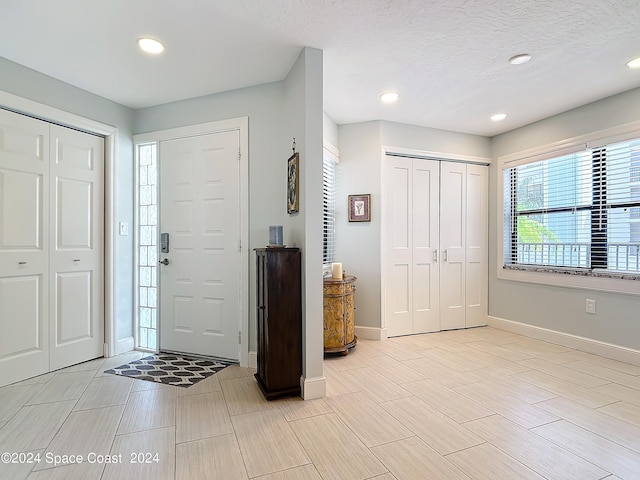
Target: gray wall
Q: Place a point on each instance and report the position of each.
(559, 308)
(32, 85)
(304, 122)
(329, 130)
(358, 244)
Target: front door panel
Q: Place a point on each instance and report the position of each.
(200, 210)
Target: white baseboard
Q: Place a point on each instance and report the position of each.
(596, 347)
(252, 360)
(371, 333)
(313, 387)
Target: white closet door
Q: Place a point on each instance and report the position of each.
(411, 243)
(425, 219)
(436, 245)
(77, 251)
(477, 226)
(398, 276)
(24, 245)
(453, 205)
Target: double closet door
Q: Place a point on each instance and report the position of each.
(51, 247)
(436, 245)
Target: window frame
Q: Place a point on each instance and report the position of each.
(591, 279)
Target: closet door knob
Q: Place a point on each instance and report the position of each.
(22, 263)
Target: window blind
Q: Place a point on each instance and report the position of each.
(579, 210)
(328, 207)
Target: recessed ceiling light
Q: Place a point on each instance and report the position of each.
(151, 45)
(389, 97)
(520, 59)
(498, 117)
(635, 63)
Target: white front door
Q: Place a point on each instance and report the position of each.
(200, 212)
(24, 247)
(77, 251)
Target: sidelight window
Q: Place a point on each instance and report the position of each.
(147, 235)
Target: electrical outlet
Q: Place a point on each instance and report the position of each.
(590, 306)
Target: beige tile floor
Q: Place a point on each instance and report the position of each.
(470, 404)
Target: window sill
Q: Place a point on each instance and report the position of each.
(601, 280)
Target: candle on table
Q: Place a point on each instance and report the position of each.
(336, 270)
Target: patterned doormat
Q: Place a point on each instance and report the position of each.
(170, 369)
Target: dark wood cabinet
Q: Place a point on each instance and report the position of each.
(279, 321)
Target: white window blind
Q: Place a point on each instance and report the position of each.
(328, 207)
(579, 210)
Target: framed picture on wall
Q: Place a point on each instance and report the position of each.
(360, 208)
(293, 182)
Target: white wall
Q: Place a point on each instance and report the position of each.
(358, 245)
(560, 308)
(29, 84)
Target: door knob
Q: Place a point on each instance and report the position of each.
(164, 262)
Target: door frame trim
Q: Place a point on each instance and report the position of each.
(50, 114)
(242, 125)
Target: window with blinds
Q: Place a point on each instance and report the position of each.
(580, 210)
(328, 207)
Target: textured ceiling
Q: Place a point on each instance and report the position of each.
(448, 59)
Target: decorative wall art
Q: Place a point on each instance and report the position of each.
(360, 208)
(293, 173)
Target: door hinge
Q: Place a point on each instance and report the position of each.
(239, 245)
(239, 338)
(239, 155)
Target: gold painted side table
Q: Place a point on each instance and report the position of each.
(339, 314)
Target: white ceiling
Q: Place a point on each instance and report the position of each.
(447, 58)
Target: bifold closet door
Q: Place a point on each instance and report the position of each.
(24, 247)
(453, 206)
(77, 251)
(464, 245)
(51, 247)
(411, 244)
(436, 246)
(477, 246)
